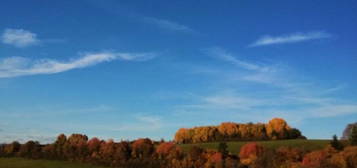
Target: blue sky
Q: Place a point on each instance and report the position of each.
(129, 69)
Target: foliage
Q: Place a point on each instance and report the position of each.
(349, 156)
(315, 159)
(277, 128)
(347, 131)
(353, 136)
(335, 143)
(146, 153)
(165, 148)
(30, 149)
(250, 152)
(11, 149)
(222, 148)
(142, 148)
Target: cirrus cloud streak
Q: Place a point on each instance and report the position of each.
(20, 66)
(290, 38)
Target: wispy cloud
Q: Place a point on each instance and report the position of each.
(334, 110)
(335, 89)
(117, 8)
(226, 56)
(143, 123)
(274, 74)
(281, 91)
(238, 104)
(231, 102)
(254, 72)
(19, 38)
(290, 38)
(20, 66)
(168, 25)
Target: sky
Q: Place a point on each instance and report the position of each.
(129, 69)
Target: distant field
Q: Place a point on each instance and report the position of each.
(234, 147)
(26, 163)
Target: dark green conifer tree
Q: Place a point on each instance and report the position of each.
(335, 143)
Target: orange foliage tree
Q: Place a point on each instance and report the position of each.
(277, 128)
(229, 130)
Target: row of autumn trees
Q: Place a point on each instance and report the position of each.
(256, 156)
(141, 153)
(144, 153)
(277, 128)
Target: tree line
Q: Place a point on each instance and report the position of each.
(142, 152)
(277, 128)
(146, 153)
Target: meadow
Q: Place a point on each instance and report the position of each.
(29, 163)
(234, 146)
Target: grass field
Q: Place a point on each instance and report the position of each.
(234, 147)
(26, 163)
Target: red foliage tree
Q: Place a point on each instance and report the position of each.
(93, 145)
(142, 148)
(75, 147)
(315, 159)
(30, 149)
(165, 148)
(250, 152)
(106, 152)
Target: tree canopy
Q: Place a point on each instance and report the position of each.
(276, 128)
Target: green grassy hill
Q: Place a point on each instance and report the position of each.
(234, 147)
(26, 163)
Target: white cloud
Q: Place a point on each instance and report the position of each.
(19, 38)
(290, 38)
(225, 56)
(19, 66)
(168, 25)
